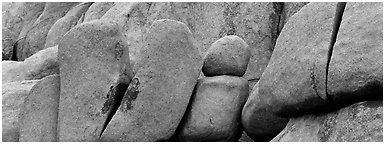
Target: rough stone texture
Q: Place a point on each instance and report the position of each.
(39, 65)
(356, 66)
(361, 122)
(258, 120)
(215, 110)
(17, 17)
(92, 56)
(256, 23)
(294, 81)
(38, 119)
(227, 56)
(97, 10)
(12, 97)
(288, 10)
(35, 37)
(64, 24)
(169, 66)
(245, 138)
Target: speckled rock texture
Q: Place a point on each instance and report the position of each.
(169, 65)
(35, 37)
(64, 24)
(92, 57)
(288, 10)
(12, 98)
(97, 10)
(356, 66)
(215, 110)
(38, 119)
(37, 66)
(360, 122)
(229, 55)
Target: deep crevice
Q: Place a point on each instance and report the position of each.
(336, 25)
(277, 18)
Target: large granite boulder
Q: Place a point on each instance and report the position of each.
(38, 119)
(92, 57)
(12, 98)
(360, 122)
(215, 110)
(168, 67)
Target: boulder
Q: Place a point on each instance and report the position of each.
(215, 110)
(169, 65)
(294, 81)
(356, 66)
(360, 122)
(64, 24)
(17, 18)
(258, 120)
(13, 95)
(97, 10)
(39, 65)
(227, 56)
(92, 57)
(288, 10)
(34, 39)
(38, 119)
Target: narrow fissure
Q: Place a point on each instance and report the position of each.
(336, 25)
(276, 29)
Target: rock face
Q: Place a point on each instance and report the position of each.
(64, 24)
(39, 65)
(215, 110)
(8, 40)
(13, 95)
(258, 120)
(356, 66)
(361, 122)
(38, 119)
(294, 81)
(227, 56)
(92, 56)
(154, 104)
(35, 37)
(97, 10)
(288, 10)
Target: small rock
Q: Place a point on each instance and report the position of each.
(360, 122)
(215, 110)
(13, 95)
(169, 65)
(38, 119)
(227, 56)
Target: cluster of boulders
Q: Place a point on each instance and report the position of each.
(122, 72)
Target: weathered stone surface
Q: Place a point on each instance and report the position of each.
(97, 10)
(258, 120)
(215, 110)
(38, 119)
(356, 66)
(294, 81)
(227, 56)
(245, 138)
(64, 24)
(92, 56)
(8, 40)
(361, 122)
(35, 37)
(13, 95)
(39, 65)
(169, 64)
(17, 18)
(288, 10)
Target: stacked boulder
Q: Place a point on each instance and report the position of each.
(214, 112)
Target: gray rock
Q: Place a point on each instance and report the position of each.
(38, 119)
(64, 24)
(13, 95)
(97, 10)
(8, 40)
(229, 55)
(169, 65)
(92, 57)
(361, 122)
(356, 66)
(288, 10)
(215, 110)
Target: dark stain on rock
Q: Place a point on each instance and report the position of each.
(118, 50)
(130, 95)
